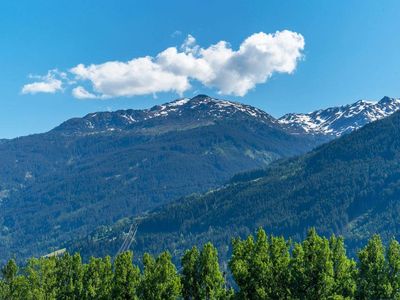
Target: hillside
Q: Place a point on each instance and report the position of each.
(105, 166)
(93, 171)
(350, 186)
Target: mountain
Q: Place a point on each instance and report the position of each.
(92, 171)
(97, 169)
(350, 186)
(336, 121)
(176, 115)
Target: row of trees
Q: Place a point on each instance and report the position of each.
(262, 267)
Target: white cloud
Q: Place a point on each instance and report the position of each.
(45, 84)
(183, 64)
(236, 72)
(258, 57)
(189, 45)
(81, 93)
(229, 71)
(139, 76)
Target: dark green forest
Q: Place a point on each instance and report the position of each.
(260, 267)
(348, 187)
(64, 183)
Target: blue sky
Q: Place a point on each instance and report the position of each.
(351, 52)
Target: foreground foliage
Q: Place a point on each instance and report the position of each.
(262, 267)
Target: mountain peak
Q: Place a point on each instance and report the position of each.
(363, 102)
(387, 100)
(336, 121)
(200, 97)
(201, 109)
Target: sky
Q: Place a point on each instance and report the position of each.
(63, 59)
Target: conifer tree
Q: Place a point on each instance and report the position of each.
(344, 269)
(42, 278)
(126, 277)
(190, 274)
(160, 280)
(211, 280)
(14, 286)
(393, 260)
(9, 274)
(69, 272)
(250, 266)
(373, 280)
(201, 275)
(98, 279)
(312, 269)
(279, 253)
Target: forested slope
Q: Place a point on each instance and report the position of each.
(350, 186)
(91, 171)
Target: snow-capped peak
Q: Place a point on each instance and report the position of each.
(203, 110)
(199, 109)
(336, 121)
(203, 106)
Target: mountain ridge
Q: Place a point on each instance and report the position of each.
(201, 107)
(331, 122)
(349, 186)
(94, 170)
(339, 120)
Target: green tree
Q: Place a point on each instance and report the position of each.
(211, 280)
(160, 280)
(190, 274)
(14, 286)
(3, 289)
(312, 268)
(69, 272)
(201, 275)
(261, 268)
(9, 274)
(42, 279)
(279, 253)
(126, 277)
(98, 279)
(250, 266)
(393, 260)
(344, 269)
(373, 280)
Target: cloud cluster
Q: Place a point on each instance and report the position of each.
(229, 71)
(50, 83)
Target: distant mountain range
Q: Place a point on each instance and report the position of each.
(333, 121)
(92, 171)
(350, 186)
(336, 121)
(176, 115)
(105, 166)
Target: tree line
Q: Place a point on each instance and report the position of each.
(261, 267)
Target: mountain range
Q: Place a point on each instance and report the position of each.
(336, 121)
(105, 166)
(59, 186)
(349, 186)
